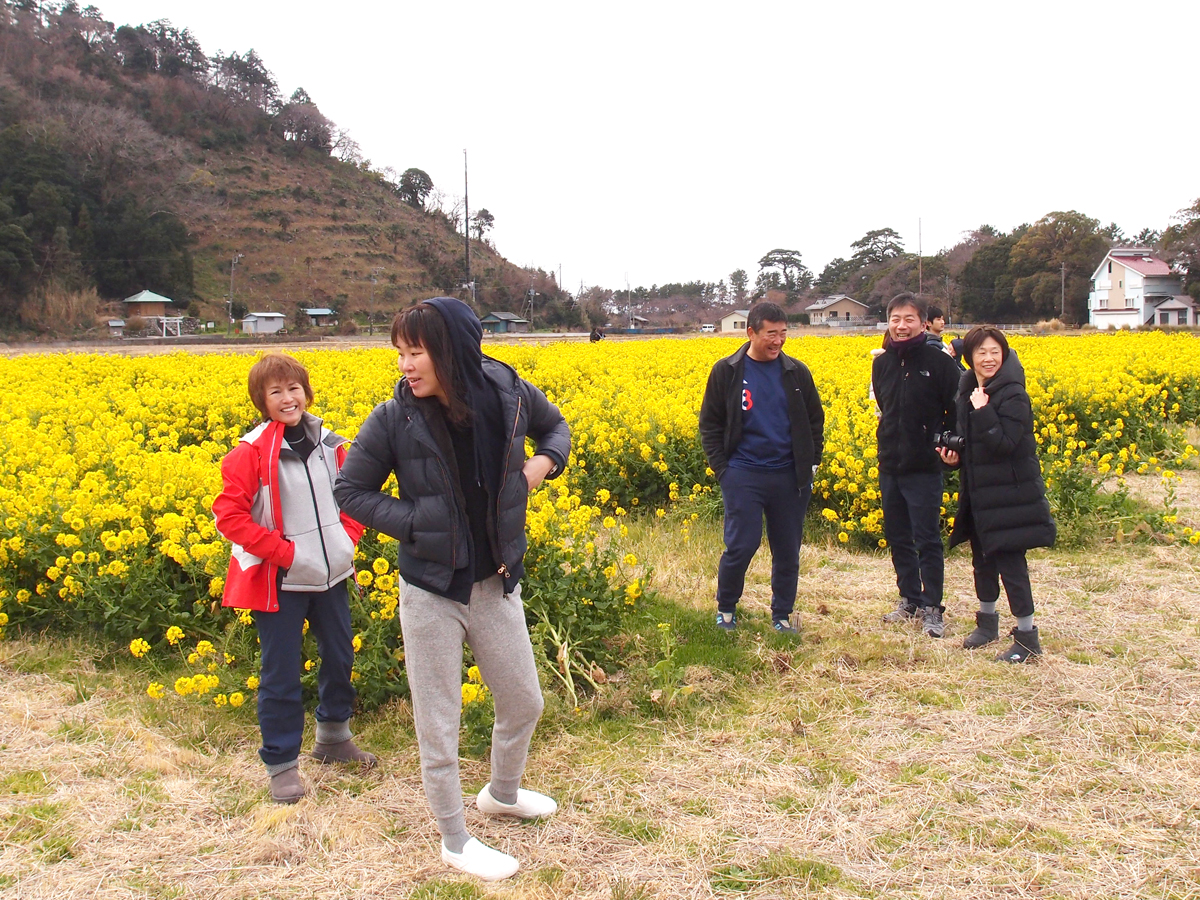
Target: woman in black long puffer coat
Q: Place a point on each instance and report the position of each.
(1002, 506)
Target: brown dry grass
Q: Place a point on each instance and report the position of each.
(865, 761)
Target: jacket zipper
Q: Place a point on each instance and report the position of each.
(503, 570)
(320, 530)
(273, 586)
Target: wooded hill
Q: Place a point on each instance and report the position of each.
(130, 160)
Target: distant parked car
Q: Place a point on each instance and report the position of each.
(708, 328)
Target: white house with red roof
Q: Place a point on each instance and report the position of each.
(1133, 287)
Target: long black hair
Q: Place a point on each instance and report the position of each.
(424, 326)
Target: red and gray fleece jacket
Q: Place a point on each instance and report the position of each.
(279, 513)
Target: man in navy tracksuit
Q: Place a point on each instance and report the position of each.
(763, 430)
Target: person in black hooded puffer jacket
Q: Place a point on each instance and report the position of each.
(454, 436)
(1002, 506)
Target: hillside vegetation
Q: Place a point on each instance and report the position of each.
(130, 160)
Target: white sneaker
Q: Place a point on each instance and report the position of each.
(529, 805)
(481, 861)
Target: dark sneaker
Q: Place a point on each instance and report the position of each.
(784, 626)
(933, 625)
(987, 630)
(1025, 647)
(726, 621)
(904, 612)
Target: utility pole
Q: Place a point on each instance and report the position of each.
(371, 311)
(467, 222)
(920, 282)
(232, 266)
(1063, 295)
(949, 318)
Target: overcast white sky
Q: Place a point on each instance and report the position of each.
(679, 141)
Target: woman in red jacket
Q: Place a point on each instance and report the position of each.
(293, 551)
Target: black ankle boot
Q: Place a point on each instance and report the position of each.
(1024, 648)
(987, 629)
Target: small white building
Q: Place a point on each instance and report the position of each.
(1132, 287)
(837, 310)
(735, 321)
(263, 323)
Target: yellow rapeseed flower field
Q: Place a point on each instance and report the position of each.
(110, 464)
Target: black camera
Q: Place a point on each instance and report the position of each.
(950, 441)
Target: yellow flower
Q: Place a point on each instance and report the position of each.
(470, 693)
(309, 665)
(843, 537)
(220, 700)
(155, 690)
(364, 578)
(205, 648)
(183, 685)
(236, 699)
(380, 566)
(473, 674)
(139, 647)
(174, 635)
(357, 643)
(630, 559)
(252, 682)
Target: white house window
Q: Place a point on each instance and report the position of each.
(1183, 317)
(1110, 267)
(1164, 318)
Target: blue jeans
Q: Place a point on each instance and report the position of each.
(912, 524)
(749, 495)
(280, 700)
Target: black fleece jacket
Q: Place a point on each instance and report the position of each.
(721, 413)
(915, 392)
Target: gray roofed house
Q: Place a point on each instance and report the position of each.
(504, 323)
(263, 322)
(836, 309)
(320, 316)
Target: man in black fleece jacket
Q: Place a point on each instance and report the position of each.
(915, 386)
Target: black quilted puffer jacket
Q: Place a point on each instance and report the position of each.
(1002, 498)
(428, 519)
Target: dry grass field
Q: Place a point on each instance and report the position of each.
(863, 761)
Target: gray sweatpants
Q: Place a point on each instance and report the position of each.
(493, 626)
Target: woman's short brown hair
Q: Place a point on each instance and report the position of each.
(977, 336)
(275, 368)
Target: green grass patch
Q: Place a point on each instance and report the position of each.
(641, 830)
(29, 781)
(700, 643)
(40, 828)
(447, 890)
(789, 805)
(773, 868)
